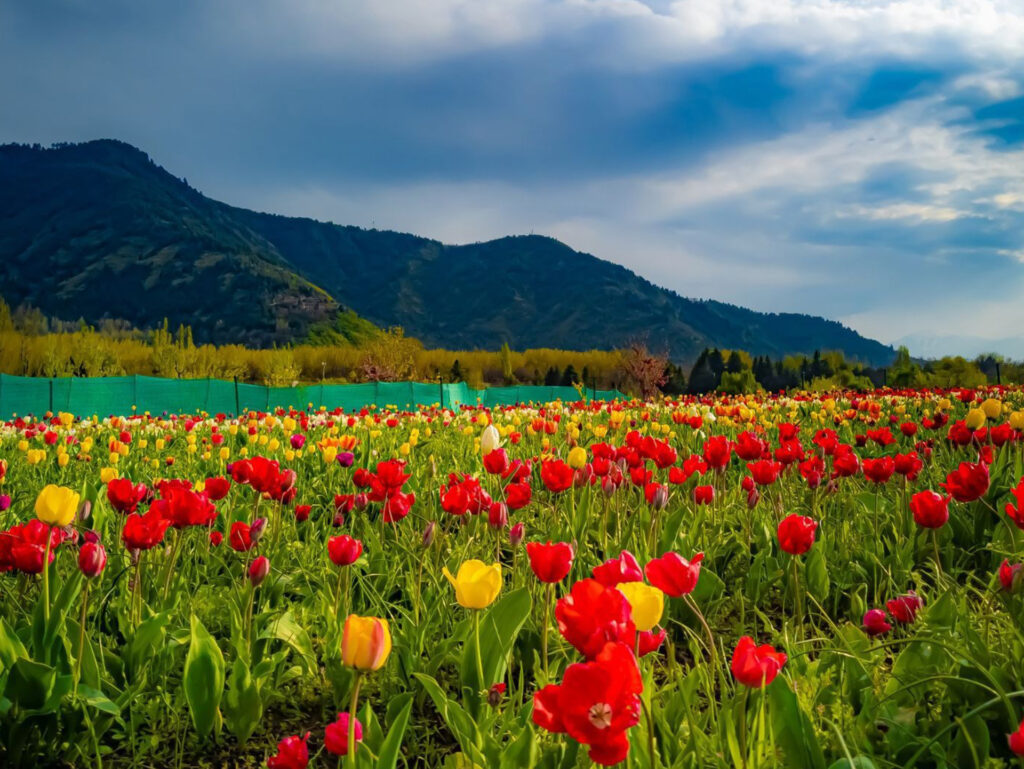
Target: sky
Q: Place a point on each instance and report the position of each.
(857, 159)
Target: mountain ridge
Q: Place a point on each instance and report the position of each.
(81, 220)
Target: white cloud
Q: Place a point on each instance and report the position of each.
(634, 34)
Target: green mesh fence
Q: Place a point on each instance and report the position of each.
(105, 396)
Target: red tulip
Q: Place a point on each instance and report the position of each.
(397, 506)
(336, 735)
(556, 475)
(765, 472)
(259, 570)
(592, 614)
(875, 623)
(124, 496)
(930, 509)
(517, 495)
(240, 537)
(674, 575)
(496, 462)
(703, 495)
(1016, 509)
(796, 534)
(144, 532)
(216, 538)
(182, 506)
(550, 562)
(879, 470)
(1009, 575)
(92, 559)
(344, 550)
(908, 465)
(302, 512)
(905, 608)
(516, 534)
(968, 482)
(756, 666)
(292, 753)
(717, 452)
(617, 570)
(216, 488)
(1016, 740)
(845, 462)
(596, 703)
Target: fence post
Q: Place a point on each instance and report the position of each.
(238, 408)
(51, 396)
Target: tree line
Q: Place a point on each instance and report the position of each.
(32, 344)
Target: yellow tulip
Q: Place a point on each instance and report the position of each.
(477, 584)
(992, 408)
(577, 457)
(647, 603)
(975, 419)
(365, 642)
(1017, 420)
(57, 505)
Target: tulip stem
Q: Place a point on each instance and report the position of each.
(171, 561)
(81, 637)
(46, 574)
(938, 558)
(479, 659)
(353, 702)
(544, 629)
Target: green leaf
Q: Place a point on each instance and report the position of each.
(243, 706)
(793, 730)
(98, 700)
(816, 569)
(522, 752)
(859, 762)
(458, 720)
(203, 678)
(387, 758)
(148, 637)
(30, 683)
(499, 628)
(286, 629)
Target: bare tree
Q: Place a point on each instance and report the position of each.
(645, 369)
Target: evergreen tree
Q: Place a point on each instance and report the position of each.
(552, 378)
(569, 376)
(456, 373)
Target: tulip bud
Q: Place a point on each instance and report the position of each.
(91, 536)
(339, 519)
(753, 497)
(497, 515)
(298, 441)
(5, 502)
(360, 501)
(92, 559)
(495, 695)
(660, 498)
(257, 529)
(346, 458)
(365, 642)
(515, 536)
(428, 534)
(608, 486)
(259, 570)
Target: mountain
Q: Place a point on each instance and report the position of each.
(98, 230)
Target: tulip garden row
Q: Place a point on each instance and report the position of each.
(815, 582)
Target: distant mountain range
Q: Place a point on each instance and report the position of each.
(927, 346)
(98, 230)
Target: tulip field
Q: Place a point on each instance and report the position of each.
(828, 581)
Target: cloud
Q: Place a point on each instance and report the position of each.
(861, 159)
